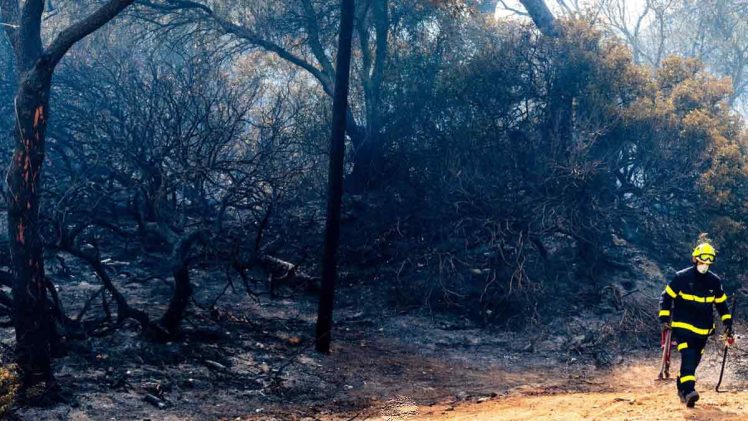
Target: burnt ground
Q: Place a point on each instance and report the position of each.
(252, 358)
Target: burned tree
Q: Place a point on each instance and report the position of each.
(335, 177)
(185, 165)
(35, 65)
(303, 33)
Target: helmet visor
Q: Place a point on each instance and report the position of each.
(705, 258)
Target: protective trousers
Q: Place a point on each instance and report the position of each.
(691, 347)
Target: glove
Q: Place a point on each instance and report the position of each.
(728, 326)
(665, 325)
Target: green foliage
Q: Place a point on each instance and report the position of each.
(709, 148)
(543, 151)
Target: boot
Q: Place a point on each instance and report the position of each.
(681, 392)
(682, 396)
(691, 398)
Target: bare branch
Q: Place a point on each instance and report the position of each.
(513, 9)
(248, 35)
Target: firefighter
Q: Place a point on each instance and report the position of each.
(686, 308)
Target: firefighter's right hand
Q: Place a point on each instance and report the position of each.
(665, 326)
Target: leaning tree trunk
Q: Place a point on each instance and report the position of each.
(542, 17)
(335, 179)
(33, 323)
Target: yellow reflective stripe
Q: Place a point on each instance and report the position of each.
(664, 312)
(721, 299)
(692, 328)
(687, 379)
(726, 316)
(696, 298)
(682, 346)
(670, 291)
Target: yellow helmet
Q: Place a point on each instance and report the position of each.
(704, 253)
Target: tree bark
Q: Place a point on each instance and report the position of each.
(335, 179)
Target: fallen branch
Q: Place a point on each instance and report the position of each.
(285, 273)
(124, 310)
(87, 304)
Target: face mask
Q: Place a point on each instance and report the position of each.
(702, 268)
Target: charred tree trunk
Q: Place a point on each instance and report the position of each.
(182, 286)
(179, 300)
(33, 322)
(335, 179)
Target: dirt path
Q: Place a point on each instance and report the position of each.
(634, 396)
(655, 404)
